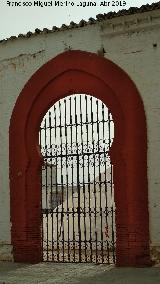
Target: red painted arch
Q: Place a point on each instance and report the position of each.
(81, 72)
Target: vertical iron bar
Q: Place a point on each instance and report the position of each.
(88, 171)
(105, 181)
(62, 185)
(101, 214)
(78, 185)
(95, 190)
(94, 175)
(83, 180)
(42, 237)
(46, 181)
(109, 132)
(71, 123)
(68, 216)
(51, 178)
(99, 167)
(56, 149)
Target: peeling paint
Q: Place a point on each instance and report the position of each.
(136, 51)
(5, 252)
(155, 254)
(22, 55)
(19, 60)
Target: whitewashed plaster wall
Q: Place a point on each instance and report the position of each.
(133, 43)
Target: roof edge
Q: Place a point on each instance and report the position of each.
(91, 21)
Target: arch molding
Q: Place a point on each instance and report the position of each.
(81, 72)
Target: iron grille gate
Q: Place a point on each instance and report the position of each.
(78, 222)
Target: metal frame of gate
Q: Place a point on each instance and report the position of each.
(78, 209)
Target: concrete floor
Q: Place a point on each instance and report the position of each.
(59, 273)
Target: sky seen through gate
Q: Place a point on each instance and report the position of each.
(15, 20)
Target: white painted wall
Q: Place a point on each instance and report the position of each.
(128, 42)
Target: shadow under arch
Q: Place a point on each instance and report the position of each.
(68, 73)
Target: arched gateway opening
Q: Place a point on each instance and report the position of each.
(78, 207)
(78, 72)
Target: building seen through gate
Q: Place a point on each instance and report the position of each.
(78, 222)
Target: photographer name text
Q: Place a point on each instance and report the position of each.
(58, 3)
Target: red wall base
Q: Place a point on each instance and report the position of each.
(27, 252)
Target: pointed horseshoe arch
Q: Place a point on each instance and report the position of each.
(81, 72)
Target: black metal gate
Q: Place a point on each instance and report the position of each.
(78, 209)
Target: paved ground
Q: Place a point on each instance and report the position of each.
(55, 273)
